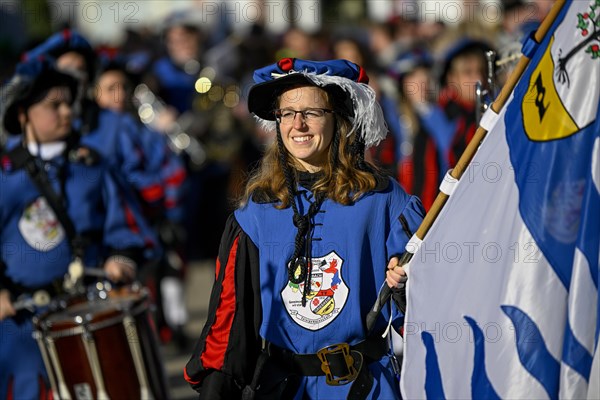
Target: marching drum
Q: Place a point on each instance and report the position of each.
(102, 347)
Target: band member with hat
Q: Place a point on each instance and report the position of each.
(418, 168)
(163, 208)
(454, 119)
(141, 156)
(118, 137)
(60, 204)
(303, 258)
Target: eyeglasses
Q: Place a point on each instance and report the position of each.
(287, 116)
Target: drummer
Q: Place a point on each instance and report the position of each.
(60, 206)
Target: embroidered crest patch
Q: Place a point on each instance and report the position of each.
(326, 298)
(40, 227)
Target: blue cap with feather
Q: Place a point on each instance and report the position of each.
(63, 42)
(346, 81)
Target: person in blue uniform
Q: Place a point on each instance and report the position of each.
(113, 87)
(59, 202)
(140, 155)
(419, 166)
(453, 120)
(318, 233)
(162, 204)
(118, 137)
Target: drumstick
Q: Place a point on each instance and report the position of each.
(77, 271)
(39, 298)
(95, 272)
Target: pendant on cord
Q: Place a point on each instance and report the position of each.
(297, 271)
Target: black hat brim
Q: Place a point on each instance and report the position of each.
(21, 94)
(262, 97)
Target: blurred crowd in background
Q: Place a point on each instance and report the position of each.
(182, 69)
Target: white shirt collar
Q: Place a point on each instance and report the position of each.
(47, 151)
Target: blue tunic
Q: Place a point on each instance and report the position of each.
(351, 246)
(35, 248)
(143, 160)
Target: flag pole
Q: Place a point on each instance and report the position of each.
(466, 157)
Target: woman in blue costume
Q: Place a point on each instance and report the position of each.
(317, 234)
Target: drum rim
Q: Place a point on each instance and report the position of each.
(90, 327)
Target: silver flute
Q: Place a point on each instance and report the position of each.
(485, 94)
(149, 108)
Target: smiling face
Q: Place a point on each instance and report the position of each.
(307, 139)
(49, 119)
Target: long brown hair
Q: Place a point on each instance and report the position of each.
(343, 181)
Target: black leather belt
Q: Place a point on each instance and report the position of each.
(340, 363)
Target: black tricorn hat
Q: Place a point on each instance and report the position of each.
(30, 83)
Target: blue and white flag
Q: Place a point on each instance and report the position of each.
(503, 292)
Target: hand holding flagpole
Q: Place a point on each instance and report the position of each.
(395, 283)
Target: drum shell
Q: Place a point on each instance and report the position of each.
(102, 323)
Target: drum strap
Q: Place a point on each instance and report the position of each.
(40, 179)
(16, 289)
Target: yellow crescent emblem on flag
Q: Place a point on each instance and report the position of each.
(544, 114)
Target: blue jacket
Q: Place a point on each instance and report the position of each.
(177, 87)
(144, 161)
(253, 298)
(35, 248)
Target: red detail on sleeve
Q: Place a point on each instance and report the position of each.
(430, 186)
(362, 75)
(45, 394)
(130, 219)
(177, 178)
(6, 164)
(9, 390)
(286, 64)
(152, 193)
(170, 203)
(187, 377)
(218, 337)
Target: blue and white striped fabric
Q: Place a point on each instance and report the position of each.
(503, 292)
